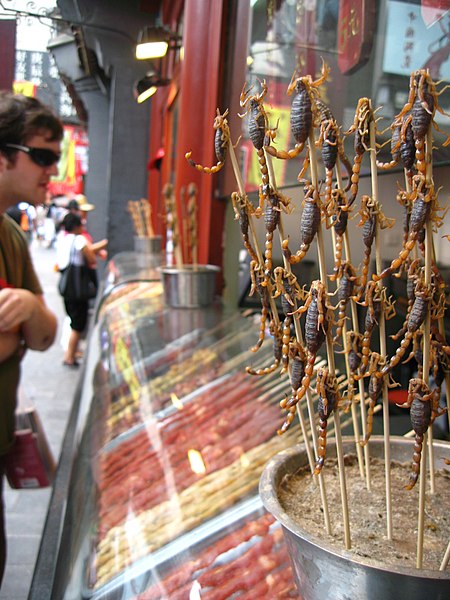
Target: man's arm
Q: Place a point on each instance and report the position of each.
(9, 343)
(37, 323)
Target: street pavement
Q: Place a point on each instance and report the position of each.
(49, 386)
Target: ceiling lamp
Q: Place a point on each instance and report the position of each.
(148, 85)
(153, 42)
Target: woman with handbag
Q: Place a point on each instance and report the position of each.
(74, 254)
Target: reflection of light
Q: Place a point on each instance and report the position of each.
(244, 461)
(176, 401)
(253, 2)
(249, 61)
(196, 462)
(194, 593)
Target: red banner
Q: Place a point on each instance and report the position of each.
(73, 164)
(355, 33)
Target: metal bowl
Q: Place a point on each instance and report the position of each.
(321, 572)
(190, 286)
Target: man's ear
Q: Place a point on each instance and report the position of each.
(3, 162)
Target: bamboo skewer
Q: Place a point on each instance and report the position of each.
(446, 559)
(330, 351)
(425, 370)
(299, 335)
(259, 254)
(192, 223)
(382, 333)
(359, 450)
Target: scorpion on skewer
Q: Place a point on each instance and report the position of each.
(424, 408)
(424, 208)
(317, 323)
(402, 147)
(287, 286)
(274, 205)
(303, 111)
(275, 331)
(361, 128)
(344, 292)
(242, 209)
(258, 132)
(413, 274)
(354, 343)
(309, 224)
(423, 103)
(332, 147)
(377, 303)
(419, 310)
(257, 279)
(371, 214)
(329, 400)
(375, 390)
(338, 210)
(221, 141)
(297, 359)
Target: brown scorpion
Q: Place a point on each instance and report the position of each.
(371, 215)
(277, 352)
(329, 400)
(309, 225)
(258, 133)
(242, 209)
(424, 408)
(423, 103)
(318, 321)
(419, 310)
(344, 293)
(361, 128)
(338, 210)
(377, 303)
(332, 145)
(303, 111)
(375, 389)
(221, 141)
(424, 208)
(402, 147)
(297, 359)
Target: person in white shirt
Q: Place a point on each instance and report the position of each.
(73, 247)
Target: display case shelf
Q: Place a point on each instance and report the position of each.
(166, 444)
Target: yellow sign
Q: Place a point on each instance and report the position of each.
(27, 88)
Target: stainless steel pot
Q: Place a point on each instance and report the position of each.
(189, 286)
(321, 572)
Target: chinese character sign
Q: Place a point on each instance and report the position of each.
(411, 45)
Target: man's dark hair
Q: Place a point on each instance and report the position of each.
(71, 221)
(21, 118)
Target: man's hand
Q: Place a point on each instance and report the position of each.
(22, 310)
(16, 306)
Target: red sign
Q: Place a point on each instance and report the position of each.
(434, 10)
(355, 33)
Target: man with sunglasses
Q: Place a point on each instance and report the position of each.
(30, 136)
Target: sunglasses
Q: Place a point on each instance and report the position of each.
(43, 157)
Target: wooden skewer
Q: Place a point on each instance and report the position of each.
(425, 368)
(359, 450)
(446, 559)
(299, 336)
(330, 351)
(382, 332)
(192, 223)
(259, 254)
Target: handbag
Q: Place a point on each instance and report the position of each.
(77, 281)
(30, 463)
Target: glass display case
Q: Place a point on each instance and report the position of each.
(156, 494)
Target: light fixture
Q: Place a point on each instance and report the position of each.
(148, 85)
(153, 42)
